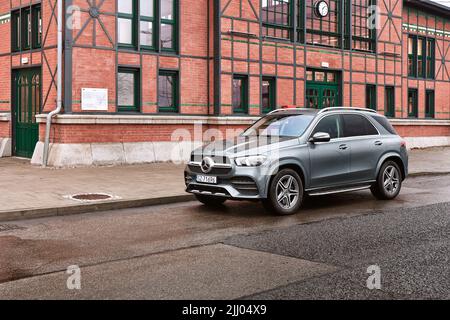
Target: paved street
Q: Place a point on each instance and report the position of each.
(238, 251)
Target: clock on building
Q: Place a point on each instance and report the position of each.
(322, 8)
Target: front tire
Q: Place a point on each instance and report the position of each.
(389, 182)
(285, 195)
(210, 201)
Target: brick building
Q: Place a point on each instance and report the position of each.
(136, 70)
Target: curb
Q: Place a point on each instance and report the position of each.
(424, 174)
(33, 213)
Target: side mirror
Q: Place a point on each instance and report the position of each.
(320, 137)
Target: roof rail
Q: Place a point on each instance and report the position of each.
(346, 108)
(287, 109)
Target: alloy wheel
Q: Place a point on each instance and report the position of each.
(287, 192)
(391, 179)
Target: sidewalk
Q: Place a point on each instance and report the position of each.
(27, 191)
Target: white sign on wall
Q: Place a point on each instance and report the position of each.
(94, 99)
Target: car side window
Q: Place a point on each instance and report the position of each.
(356, 125)
(331, 125)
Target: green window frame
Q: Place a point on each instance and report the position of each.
(16, 31)
(389, 101)
(430, 57)
(412, 56)
(240, 94)
(429, 103)
(298, 21)
(37, 26)
(277, 18)
(26, 28)
(412, 103)
(363, 37)
(371, 96)
(421, 57)
(146, 25)
(168, 100)
(268, 94)
(169, 22)
(126, 22)
(324, 31)
(124, 87)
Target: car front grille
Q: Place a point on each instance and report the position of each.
(214, 171)
(208, 190)
(245, 185)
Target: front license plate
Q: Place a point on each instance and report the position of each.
(206, 179)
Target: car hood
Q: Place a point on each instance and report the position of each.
(244, 145)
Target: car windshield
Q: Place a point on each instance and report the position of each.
(292, 125)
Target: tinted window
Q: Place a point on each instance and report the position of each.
(356, 125)
(385, 123)
(330, 125)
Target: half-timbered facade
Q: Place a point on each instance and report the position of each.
(142, 75)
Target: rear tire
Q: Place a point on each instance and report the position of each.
(210, 201)
(285, 195)
(389, 182)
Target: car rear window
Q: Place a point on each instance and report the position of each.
(385, 123)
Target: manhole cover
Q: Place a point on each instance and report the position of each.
(91, 197)
(9, 227)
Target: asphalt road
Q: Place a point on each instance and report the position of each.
(186, 251)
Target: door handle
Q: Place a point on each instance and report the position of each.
(378, 143)
(343, 147)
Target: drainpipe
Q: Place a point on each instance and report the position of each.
(58, 84)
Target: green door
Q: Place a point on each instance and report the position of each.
(26, 104)
(322, 89)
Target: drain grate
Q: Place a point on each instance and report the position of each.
(9, 227)
(91, 197)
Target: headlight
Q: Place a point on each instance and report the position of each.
(250, 161)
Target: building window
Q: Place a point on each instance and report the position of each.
(429, 104)
(128, 90)
(268, 91)
(421, 57)
(26, 28)
(168, 91)
(412, 44)
(371, 96)
(389, 110)
(363, 36)
(168, 25)
(412, 103)
(430, 58)
(132, 22)
(146, 23)
(323, 30)
(240, 94)
(126, 22)
(324, 26)
(277, 16)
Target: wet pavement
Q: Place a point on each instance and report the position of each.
(155, 252)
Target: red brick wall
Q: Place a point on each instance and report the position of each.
(136, 133)
(97, 67)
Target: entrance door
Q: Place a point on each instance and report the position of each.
(26, 104)
(322, 89)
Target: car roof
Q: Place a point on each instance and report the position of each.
(320, 111)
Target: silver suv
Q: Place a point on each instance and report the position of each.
(291, 153)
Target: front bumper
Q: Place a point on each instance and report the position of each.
(235, 182)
